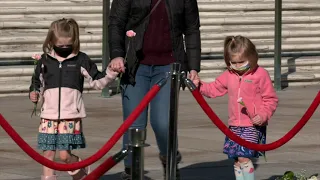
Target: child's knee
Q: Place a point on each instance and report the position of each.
(65, 156)
(243, 159)
(49, 154)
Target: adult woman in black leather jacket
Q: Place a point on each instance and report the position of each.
(169, 34)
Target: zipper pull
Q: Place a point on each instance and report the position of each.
(60, 65)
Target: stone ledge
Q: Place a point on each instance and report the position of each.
(286, 76)
(255, 27)
(23, 87)
(247, 6)
(268, 62)
(256, 20)
(255, 1)
(206, 49)
(203, 15)
(20, 23)
(291, 79)
(311, 63)
(295, 35)
(52, 10)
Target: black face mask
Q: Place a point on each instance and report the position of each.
(63, 51)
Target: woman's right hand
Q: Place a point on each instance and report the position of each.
(117, 65)
(34, 96)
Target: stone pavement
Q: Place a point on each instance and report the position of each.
(199, 140)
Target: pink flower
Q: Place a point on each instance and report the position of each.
(36, 57)
(240, 101)
(131, 33)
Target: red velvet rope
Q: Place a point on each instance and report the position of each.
(258, 147)
(100, 170)
(98, 155)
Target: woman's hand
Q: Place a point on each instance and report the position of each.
(117, 65)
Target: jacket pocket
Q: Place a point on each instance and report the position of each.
(251, 110)
(51, 100)
(78, 102)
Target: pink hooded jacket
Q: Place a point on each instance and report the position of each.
(254, 87)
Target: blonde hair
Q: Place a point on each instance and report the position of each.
(243, 48)
(67, 28)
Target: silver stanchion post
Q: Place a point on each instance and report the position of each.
(173, 125)
(136, 144)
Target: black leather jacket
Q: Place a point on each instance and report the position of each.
(129, 14)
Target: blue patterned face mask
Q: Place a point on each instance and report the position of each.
(242, 68)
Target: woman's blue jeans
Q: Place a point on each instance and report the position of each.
(146, 77)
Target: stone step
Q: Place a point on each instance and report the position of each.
(49, 1)
(15, 80)
(37, 47)
(248, 27)
(89, 34)
(97, 44)
(206, 21)
(255, 1)
(292, 35)
(21, 85)
(217, 48)
(287, 80)
(56, 8)
(203, 15)
(23, 88)
(257, 20)
(247, 6)
(16, 54)
(298, 62)
(210, 28)
(288, 63)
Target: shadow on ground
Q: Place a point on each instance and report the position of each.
(219, 170)
(117, 176)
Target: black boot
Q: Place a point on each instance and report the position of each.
(126, 174)
(164, 165)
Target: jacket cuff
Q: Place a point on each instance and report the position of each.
(263, 116)
(112, 75)
(115, 54)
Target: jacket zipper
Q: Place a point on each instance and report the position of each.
(239, 91)
(60, 80)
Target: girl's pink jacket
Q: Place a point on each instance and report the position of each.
(254, 87)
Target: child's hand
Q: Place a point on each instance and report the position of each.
(257, 120)
(34, 96)
(111, 73)
(196, 81)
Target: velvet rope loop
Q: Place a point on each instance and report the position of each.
(258, 147)
(95, 157)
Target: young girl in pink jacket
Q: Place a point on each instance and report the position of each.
(252, 101)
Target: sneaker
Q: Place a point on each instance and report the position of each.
(126, 174)
(164, 165)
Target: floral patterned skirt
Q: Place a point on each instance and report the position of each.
(60, 135)
(255, 134)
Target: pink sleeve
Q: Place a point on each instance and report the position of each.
(269, 97)
(215, 88)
